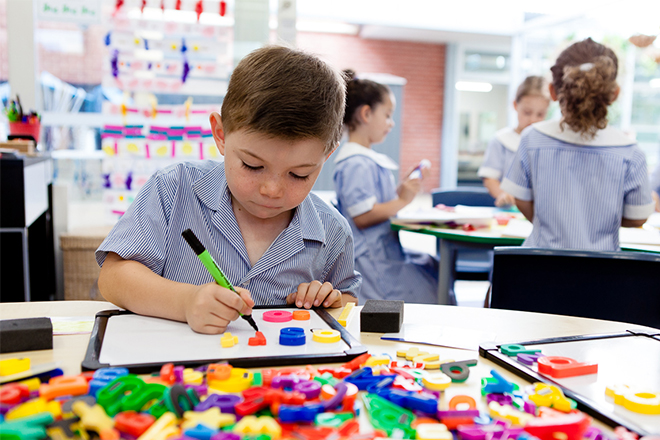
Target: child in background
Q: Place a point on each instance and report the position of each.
(281, 119)
(368, 197)
(655, 187)
(579, 180)
(531, 104)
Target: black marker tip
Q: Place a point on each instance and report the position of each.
(250, 321)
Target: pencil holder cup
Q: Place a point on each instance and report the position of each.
(25, 129)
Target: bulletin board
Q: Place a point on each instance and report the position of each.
(631, 358)
(143, 343)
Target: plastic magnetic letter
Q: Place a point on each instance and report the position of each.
(433, 431)
(292, 336)
(642, 402)
(458, 371)
(515, 349)
(560, 366)
(179, 400)
(133, 423)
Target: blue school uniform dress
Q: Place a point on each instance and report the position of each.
(317, 244)
(581, 188)
(499, 154)
(655, 180)
(362, 179)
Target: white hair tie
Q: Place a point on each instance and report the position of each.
(586, 66)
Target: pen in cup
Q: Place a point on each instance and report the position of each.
(213, 268)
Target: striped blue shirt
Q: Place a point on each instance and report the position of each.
(317, 244)
(581, 189)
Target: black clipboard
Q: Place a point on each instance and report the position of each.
(92, 355)
(585, 404)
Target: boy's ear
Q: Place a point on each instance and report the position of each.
(553, 92)
(218, 131)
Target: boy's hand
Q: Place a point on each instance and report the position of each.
(505, 199)
(211, 308)
(315, 294)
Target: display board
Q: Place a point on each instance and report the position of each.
(631, 358)
(143, 343)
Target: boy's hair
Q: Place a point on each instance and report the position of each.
(584, 78)
(361, 92)
(533, 86)
(285, 93)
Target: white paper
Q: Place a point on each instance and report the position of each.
(476, 216)
(136, 339)
(517, 228)
(639, 236)
(439, 335)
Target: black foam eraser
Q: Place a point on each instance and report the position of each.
(25, 334)
(381, 316)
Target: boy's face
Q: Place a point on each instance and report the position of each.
(268, 177)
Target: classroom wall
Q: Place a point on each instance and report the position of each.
(422, 64)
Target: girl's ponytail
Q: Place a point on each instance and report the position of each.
(584, 79)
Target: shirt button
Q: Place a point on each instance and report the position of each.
(246, 283)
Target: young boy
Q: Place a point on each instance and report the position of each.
(281, 120)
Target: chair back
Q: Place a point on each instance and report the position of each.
(617, 286)
(468, 196)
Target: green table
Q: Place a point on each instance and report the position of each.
(450, 241)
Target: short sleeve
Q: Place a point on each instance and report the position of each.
(637, 201)
(494, 160)
(356, 181)
(341, 271)
(518, 179)
(140, 233)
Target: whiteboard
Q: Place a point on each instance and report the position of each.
(126, 339)
(632, 359)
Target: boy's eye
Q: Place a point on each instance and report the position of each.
(251, 167)
(296, 176)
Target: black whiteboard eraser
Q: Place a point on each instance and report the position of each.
(25, 334)
(381, 316)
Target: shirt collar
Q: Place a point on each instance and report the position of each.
(354, 149)
(213, 192)
(509, 138)
(607, 137)
(211, 188)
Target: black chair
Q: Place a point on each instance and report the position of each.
(468, 196)
(471, 264)
(617, 286)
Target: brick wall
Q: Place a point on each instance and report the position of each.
(423, 66)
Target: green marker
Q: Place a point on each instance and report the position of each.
(213, 268)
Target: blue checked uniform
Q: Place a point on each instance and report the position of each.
(499, 154)
(362, 179)
(317, 244)
(581, 188)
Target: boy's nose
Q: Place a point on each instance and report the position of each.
(271, 188)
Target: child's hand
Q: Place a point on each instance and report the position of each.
(315, 294)
(408, 189)
(505, 199)
(212, 308)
